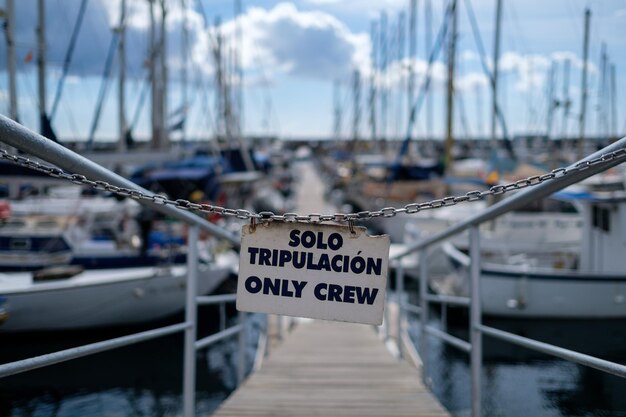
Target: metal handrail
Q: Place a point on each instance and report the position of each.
(216, 299)
(447, 337)
(448, 299)
(41, 361)
(581, 358)
(25, 140)
(477, 329)
(34, 144)
(519, 200)
(209, 340)
(18, 136)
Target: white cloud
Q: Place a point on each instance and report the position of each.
(305, 43)
(283, 38)
(324, 2)
(396, 76)
(361, 6)
(469, 82)
(576, 62)
(138, 24)
(469, 56)
(532, 69)
(397, 73)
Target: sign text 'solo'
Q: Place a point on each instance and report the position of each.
(310, 270)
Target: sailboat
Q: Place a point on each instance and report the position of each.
(71, 259)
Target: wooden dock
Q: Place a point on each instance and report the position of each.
(332, 369)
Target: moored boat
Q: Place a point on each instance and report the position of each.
(96, 298)
(589, 282)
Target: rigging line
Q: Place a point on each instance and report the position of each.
(31, 94)
(71, 120)
(462, 114)
(68, 57)
(348, 105)
(142, 98)
(103, 87)
(344, 107)
(210, 122)
(203, 13)
(200, 95)
(512, 15)
(489, 74)
(425, 86)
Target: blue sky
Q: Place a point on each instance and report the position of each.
(293, 52)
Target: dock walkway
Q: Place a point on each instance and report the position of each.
(332, 369)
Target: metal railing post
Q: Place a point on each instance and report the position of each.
(400, 291)
(386, 317)
(241, 363)
(268, 336)
(423, 266)
(476, 355)
(191, 315)
(222, 307)
(444, 317)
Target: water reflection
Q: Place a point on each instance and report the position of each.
(520, 382)
(144, 379)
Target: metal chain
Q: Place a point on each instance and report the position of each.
(243, 214)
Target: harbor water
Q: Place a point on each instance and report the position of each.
(517, 382)
(145, 379)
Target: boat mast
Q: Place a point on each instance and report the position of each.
(121, 93)
(163, 137)
(400, 57)
(450, 89)
(496, 58)
(220, 99)
(239, 67)
(183, 71)
(583, 88)
(374, 70)
(566, 100)
(412, 54)
(613, 91)
(480, 130)
(384, 57)
(356, 120)
(428, 17)
(337, 112)
(152, 50)
(9, 30)
(551, 102)
(601, 121)
(41, 63)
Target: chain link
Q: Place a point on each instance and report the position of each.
(265, 216)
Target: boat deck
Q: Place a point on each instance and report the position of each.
(332, 369)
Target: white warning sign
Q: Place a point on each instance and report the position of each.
(310, 270)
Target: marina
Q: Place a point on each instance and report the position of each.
(267, 216)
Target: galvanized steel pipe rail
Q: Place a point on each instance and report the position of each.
(523, 198)
(21, 138)
(27, 141)
(18, 136)
(29, 364)
(577, 172)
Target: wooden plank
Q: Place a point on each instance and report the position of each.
(332, 369)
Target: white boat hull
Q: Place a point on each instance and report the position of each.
(532, 292)
(102, 298)
(556, 295)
